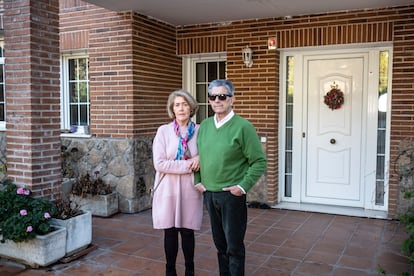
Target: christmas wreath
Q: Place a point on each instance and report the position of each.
(334, 98)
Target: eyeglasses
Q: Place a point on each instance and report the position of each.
(221, 97)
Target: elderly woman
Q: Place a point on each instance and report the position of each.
(177, 206)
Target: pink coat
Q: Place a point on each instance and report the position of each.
(176, 202)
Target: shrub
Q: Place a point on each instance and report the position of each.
(22, 216)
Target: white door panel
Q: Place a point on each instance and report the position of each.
(334, 137)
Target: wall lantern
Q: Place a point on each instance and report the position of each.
(247, 56)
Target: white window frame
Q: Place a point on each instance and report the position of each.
(65, 101)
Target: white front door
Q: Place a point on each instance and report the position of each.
(334, 138)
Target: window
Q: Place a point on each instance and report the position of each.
(289, 126)
(75, 96)
(199, 72)
(205, 73)
(2, 88)
(382, 127)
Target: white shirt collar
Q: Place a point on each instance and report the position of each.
(224, 120)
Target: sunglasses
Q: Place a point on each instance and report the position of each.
(221, 97)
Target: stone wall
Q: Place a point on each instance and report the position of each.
(405, 168)
(258, 193)
(125, 164)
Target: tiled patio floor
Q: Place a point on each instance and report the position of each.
(278, 242)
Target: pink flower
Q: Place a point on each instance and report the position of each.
(20, 191)
(23, 191)
(23, 212)
(47, 216)
(29, 229)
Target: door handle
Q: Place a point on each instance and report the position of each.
(332, 141)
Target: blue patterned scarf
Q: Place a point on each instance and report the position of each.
(183, 143)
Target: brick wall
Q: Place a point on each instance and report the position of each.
(133, 67)
(402, 120)
(257, 88)
(32, 95)
(157, 72)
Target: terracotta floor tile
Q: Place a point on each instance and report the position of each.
(361, 251)
(322, 257)
(330, 246)
(127, 247)
(150, 252)
(107, 257)
(299, 242)
(310, 268)
(262, 248)
(281, 263)
(350, 272)
(85, 268)
(103, 242)
(110, 271)
(255, 260)
(274, 236)
(138, 264)
(291, 252)
(356, 262)
(263, 271)
(287, 225)
(207, 263)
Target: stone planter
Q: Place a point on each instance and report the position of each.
(98, 205)
(78, 232)
(40, 251)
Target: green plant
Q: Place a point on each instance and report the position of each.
(408, 245)
(93, 186)
(22, 216)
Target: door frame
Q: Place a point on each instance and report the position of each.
(359, 126)
(370, 107)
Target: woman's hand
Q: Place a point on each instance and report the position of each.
(194, 164)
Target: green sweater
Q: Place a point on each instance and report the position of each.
(230, 155)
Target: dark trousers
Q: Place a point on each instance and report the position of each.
(171, 249)
(228, 218)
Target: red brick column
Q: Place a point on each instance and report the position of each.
(33, 95)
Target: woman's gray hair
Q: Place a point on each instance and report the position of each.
(188, 98)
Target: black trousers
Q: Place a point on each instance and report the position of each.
(228, 218)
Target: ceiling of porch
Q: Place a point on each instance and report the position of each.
(190, 12)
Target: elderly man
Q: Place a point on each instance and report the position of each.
(231, 162)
